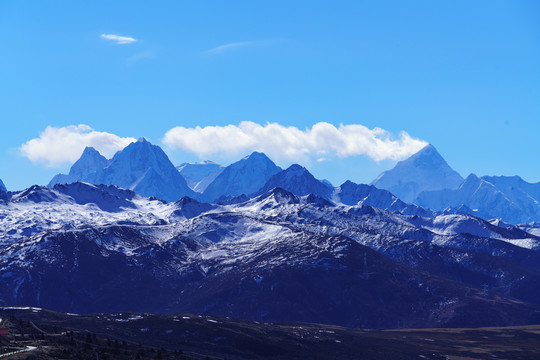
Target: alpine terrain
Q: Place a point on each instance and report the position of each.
(424, 171)
(242, 177)
(273, 245)
(140, 166)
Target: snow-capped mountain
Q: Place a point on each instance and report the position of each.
(84, 169)
(145, 169)
(199, 175)
(86, 248)
(510, 199)
(140, 166)
(242, 177)
(517, 189)
(350, 193)
(424, 171)
(297, 180)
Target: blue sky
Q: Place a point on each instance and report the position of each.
(461, 75)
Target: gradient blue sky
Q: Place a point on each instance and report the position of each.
(462, 75)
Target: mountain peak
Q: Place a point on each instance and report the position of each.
(425, 170)
(296, 168)
(141, 167)
(427, 158)
(89, 150)
(90, 162)
(145, 169)
(2, 187)
(297, 180)
(280, 195)
(245, 176)
(257, 156)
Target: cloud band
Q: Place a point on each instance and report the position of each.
(322, 139)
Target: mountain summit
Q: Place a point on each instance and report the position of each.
(297, 180)
(140, 167)
(90, 162)
(242, 177)
(424, 171)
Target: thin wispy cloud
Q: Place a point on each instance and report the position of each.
(139, 57)
(117, 39)
(57, 146)
(288, 142)
(237, 45)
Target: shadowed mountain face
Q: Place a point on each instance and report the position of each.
(424, 171)
(278, 256)
(297, 180)
(3, 191)
(242, 177)
(141, 167)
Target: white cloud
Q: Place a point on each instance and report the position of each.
(56, 146)
(281, 142)
(227, 47)
(235, 45)
(118, 39)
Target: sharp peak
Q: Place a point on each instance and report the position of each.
(255, 155)
(90, 150)
(472, 176)
(278, 191)
(427, 153)
(348, 183)
(296, 167)
(187, 200)
(428, 149)
(142, 142)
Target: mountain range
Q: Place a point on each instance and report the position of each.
(270, 244)
(275, 257)
(421, 184)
